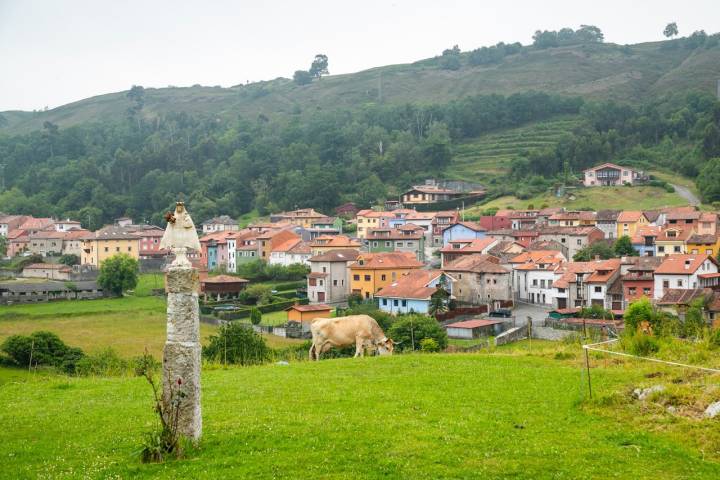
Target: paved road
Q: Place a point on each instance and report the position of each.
(685, 193)
(536, 312)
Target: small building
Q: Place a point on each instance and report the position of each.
(49, 271)
(17, 292)
(307, 313)
(222, 287)
(609, 174)
(414, 292)
(470, 329)
(463, 231)
(220, 224)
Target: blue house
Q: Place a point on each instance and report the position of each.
(644, 240)
(414, 291)
(212, 256)
(462, 231)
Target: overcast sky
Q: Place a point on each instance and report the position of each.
(56, 52)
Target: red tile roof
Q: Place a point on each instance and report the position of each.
(476, 263)
(413, 285)
(629, 216)
(320, 307)
(473, 323)
(477, 245)
(682, 264)
(386, 260)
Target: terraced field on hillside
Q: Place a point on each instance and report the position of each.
(491, 154)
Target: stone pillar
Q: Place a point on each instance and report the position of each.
(181, 356)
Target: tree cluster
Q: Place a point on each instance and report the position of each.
(318, 68)
(567, 36)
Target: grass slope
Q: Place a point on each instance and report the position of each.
(620, 198)
(600, 71)
(412, 416)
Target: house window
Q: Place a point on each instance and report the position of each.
(579, 241)
(598, 289)
(676, 249)
(375, 244)
(394, 276)
(107, 249)
(561, 290)
(535, 282)
(679, 283)
(130, 250)
(494, 281)
(632, 290)
(335, 283)
(383, 277)
(384, 302)
(487, 281)
(646, 292)
(367, 278)
(324, 269)
(388, 244)
(409, 244)
(661, 249)
(404, 303)
(666, 283)
(321, 283)
(459, 276)
(399, 244)
(395, 303)
(356, 278)
(562, 240)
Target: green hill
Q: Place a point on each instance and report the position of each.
(632, 72)
(408, 416)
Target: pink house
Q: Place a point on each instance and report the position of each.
(609, 174)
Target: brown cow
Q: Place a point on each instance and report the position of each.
(361, 330)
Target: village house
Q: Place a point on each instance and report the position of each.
(678, 301)
(459, 248)
(303, 217)
(584, 284)
(472, 329)
(222, 223)
(48, 271)
(73, 242)
(572, 219)
(329, 277)
(413, 291)
(323, 227)
(480, 280)
(682, 272)
(333, 242)
(221, 287)
(639, 280)
(291, 251)
(17, 242)
(629, 221)
(575, 238)
(103, 244)
(67, 224)
(523, 237)
(523, 219)
(214, 250)
(367, 219)
(432, 193)
(606, 221)
(11, 222)
(462, 231)
(505, 250)
(406, 238)
(373, 271)
(494, 222)
(242, 248)
(46, 243)
(644, 240)
(680, 217)
(534, 274)
(699, 244)
(439, 222)
(707, 224)
(672, 240)
(33, 225)
(609, 174)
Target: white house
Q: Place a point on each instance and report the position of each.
(609, 174)
(682, 272)
(413, 292)
(291, 251)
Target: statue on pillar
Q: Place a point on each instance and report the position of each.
(181, 355)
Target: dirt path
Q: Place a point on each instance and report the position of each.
(685, 193)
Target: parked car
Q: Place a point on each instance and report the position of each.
(501, 312)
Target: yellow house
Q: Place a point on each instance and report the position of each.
(375, 271)
(628, 222)
(101, 245)
(672, 241)
(699, 244)
(367, 219)
(325, 243)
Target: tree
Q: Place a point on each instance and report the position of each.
(695, 318)
(41, 348)
(319, 66)
(598, 249)
(237, 343)
(255, 316)
(439, 302)
(623, 247)
(639, 311)
(450, 59)
(118, 273)
(410, 330)
(671, 30)
(69, 259)
(708, 182)
(302, 77)
(3, 246)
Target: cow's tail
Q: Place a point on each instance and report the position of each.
(312, 351)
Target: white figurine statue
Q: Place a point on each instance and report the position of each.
(180, 234)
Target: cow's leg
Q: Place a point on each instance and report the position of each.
(359, 347)
(312, 352)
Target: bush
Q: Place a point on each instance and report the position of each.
(258, 294)
(714, 337)
(641, 344)
(104, 363)
(255, 316)
(238, 344)
(118, 273)
(384, 319)
(41, 349)
(410, 330)
(429, 345)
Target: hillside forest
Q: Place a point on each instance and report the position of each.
(138, 166)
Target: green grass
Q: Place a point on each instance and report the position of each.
(621, 198)
(506, 415)
(147, 282)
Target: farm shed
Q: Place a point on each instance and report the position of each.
(469, 329)
(306, 313)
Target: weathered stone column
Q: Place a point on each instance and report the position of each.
(181, 356)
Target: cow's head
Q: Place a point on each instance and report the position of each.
(385, 346)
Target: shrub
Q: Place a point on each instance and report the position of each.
(41, 348)
(238, 344)
(410, 330)
(429, 345)
(118, 273)
(384, 319)
(255, 316)
(259, 294)
(641, 344)
(714, 337)
(104, 363)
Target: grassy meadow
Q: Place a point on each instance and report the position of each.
(516, 413)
